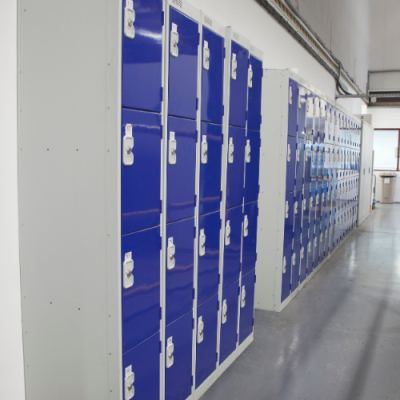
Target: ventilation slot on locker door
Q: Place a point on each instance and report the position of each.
(128, 382)
(129, 20)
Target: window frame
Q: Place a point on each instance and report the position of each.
(398, 146)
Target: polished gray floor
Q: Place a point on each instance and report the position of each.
(339, 339)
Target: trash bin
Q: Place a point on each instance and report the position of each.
(388, 186)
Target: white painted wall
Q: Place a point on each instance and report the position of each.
(11, 359)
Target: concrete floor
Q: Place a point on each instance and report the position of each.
(339, 339)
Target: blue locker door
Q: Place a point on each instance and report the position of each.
(310, 253)
(247, 306)
(310, 123)
(140, 294)
(293, 108)
(206, 347)
(182, 90)
(320, 158)
(142, 58)
(238, 90)
(301, 130)
(181, 172)
(289, 220)
(286, 271)
(210, 168)
(314, 163)
(303, 259)
(232, 245)
(252, 167)
(308, 157)
(300, 164)
(212, 79)
(229, 319)
(144, 361)
(179, 281)
(208, 264)
(178, 371)
(140, 178)
(296, 264)
(254, 103)
(306, 211)
(291, 164)
(249, 256)
(235, 168)
(298, 211)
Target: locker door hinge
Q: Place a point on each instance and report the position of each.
(259, 188)
(197, 134)
(239, 291)
(236, 337)
(195, 200)
(240, 268)
(256, 258)
(247, 115)
(219, 280)
(218, 302)
(255, 276)
(198, 41)
(161, 131)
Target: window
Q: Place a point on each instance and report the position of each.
(386, 149)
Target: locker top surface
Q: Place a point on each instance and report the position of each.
(212, 24)
(186, 8)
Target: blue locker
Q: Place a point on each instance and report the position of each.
(238, 89)
(249, 255)
(232, 243)
(178, 371)
(206, 347)
(142, 58)
(293, 108)
(235, 167)
(140, 178)
(254, 103)
(308, 158)
(306, 211)
(252, 166)
(299, 164)
(210, 168)
(289, 220)
(182, 89)
(301, 129)
(208, 259)
(179, 274)
(247, 306)
(140, 253)
(286, 272)
(296, 264)
(212, 79)
(181, 171)
(229, 320)
(298, 212)
(144, 361)
(291, 164)
(303, 259)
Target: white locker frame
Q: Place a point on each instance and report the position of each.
(273, 189)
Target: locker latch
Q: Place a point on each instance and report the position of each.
(171, 254)
(304, 205)
(129, 28)
(331, 117)
(172, 149)
(308, 106)
(296, 207)
(128, 271)
(299, 101)
(287, 209)
(127, 144)
(309, 247)
(298, 155)
(326, 234)
(248, 151)
(330, 229)
(311, 202)
(321, 237)
(314, 108)
(290, 95)
(246, 226)
(200, 330)
(206, 56)
(202, 249)
(234, 66)
(204, 150)
(129, 381)
(289, 152)
(231, 150)
(228, 233)
(315, 242)
(302, 253)
(317, 202)
(170, 353)
(243, 299)
(323, 197)
(284, 265)
(224, 312)
(174, 41)
(250, 76)
(294, 259)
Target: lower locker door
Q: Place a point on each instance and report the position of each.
(232, 244)
(286, 272)
(179, 268)
(295, 265)
(229, 319)
(303, 259)
(252, 166)
(249, 255)
(178, 358)
(141, 365)
(140, 286)
(208, 256)
(247, 306)
(206, 347)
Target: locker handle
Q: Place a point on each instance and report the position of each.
(289, 151)
(172, 149)
(231, 150)
(170, 353)
(200, 330)
(206, 56)
(171, 254)
(128, 382)
(284, 265)
(234, 66)
(228, 233)
(250, 76)
(246, 226)
(202, 238)
(129, 20)
(128, 266)
(287, 209)
(243, 297)
(248, 151)
(224, 312)
(204, 150)
(174, 41)
(128, 144)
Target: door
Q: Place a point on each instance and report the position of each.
(246, 322)
(293, 108)
(249, 256)
(255, 91)
(252, 166)
(291, 164)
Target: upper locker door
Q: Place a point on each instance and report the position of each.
(212, 77)
(140, 170)
(142, 55)
(255, 87)
(249, 256)
(239, 83)
(302, 105)
(252, 161)
(293, 108)
(211, 139)
(183, 59)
